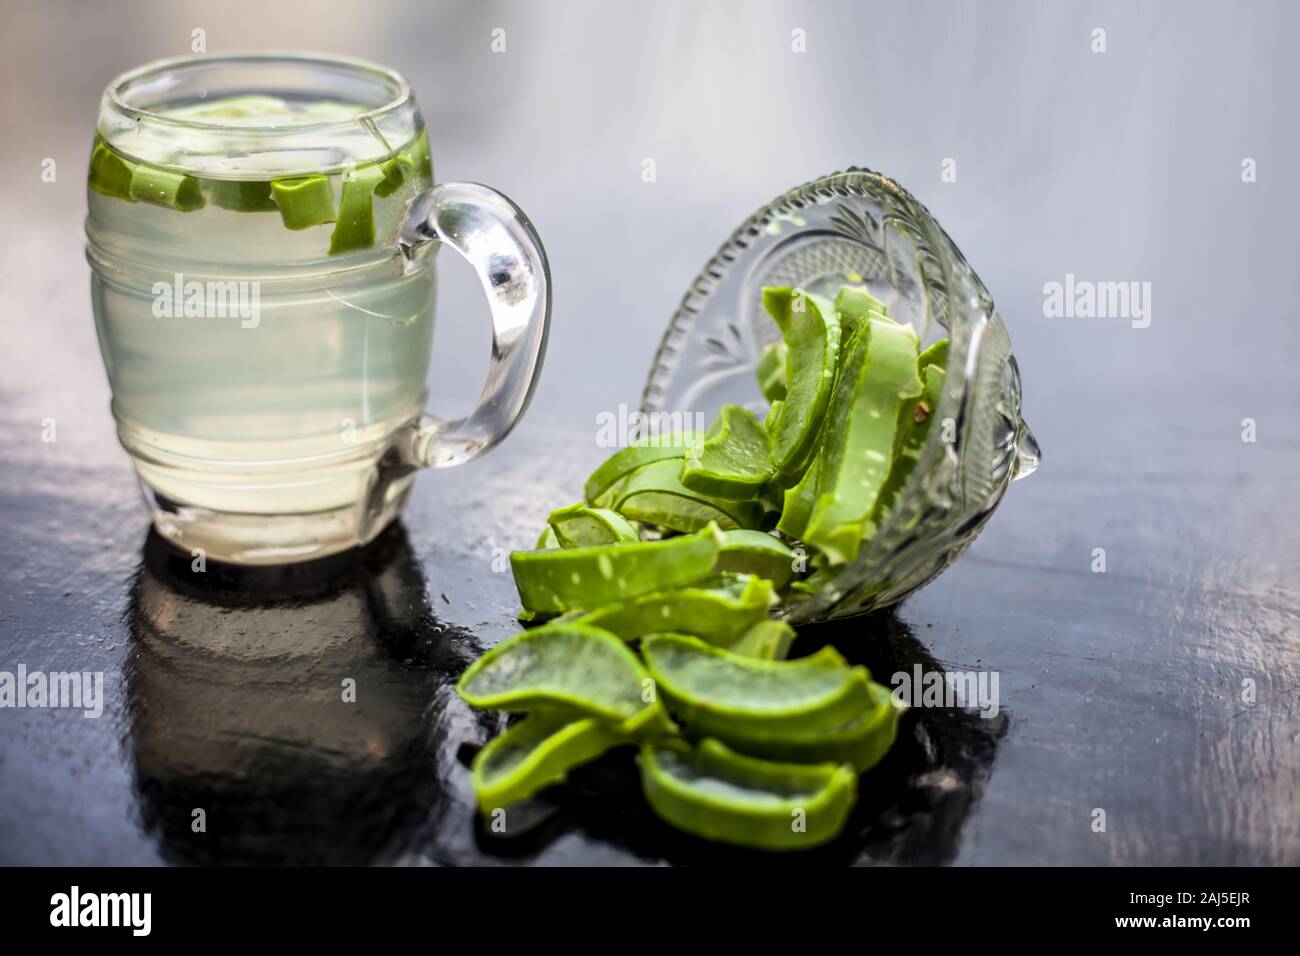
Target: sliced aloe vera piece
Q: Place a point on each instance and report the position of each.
(913, 425)
(735, 461)
(936, 354)
(242, 196)
(798, 502)
(861, 741)
(773, 415)
(547, 540)
(716, 615)
(771, 371)
(415, 158)
(746, 551)
(110, 174)
(393, 175)
(583, 668)
(720, 795)
(355, 228)
(855, 305)
(537, 752)
(654, 494)
(162, 188)
(587, 578)
(578, 526)
(811, 329)
(878, 377)
(304, 201)
(814, 582)
(714, 690)
(766, 640)
(600, 487)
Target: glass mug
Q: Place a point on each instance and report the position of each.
(261, 234)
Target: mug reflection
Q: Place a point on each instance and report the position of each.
(295, 714)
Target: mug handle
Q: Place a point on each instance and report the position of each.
(496, 238)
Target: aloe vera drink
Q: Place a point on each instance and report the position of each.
(261, 338)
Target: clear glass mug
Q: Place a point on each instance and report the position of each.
(859, 227)
(261, 233)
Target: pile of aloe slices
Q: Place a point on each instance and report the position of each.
(653, 595)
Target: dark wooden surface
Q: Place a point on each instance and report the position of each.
(1119, 690)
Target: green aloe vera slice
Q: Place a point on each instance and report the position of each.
(798, 502)
(814, 582)
(716, 615)
(773, 415)
(242, 196)
(587, 578)
(771, 371)
(855, 304)
(110, 174)
(913, 425)
(735, 461)
(655, 495)
(713, 690)
(862, 741)
(600, 488)
(720, 795)
(392, 178)
(936, 354)
(767, 640)
(578, 526)
(811, 329)
(355, 228)
(547, 540)
(304, 201)
(536, 752)
(161, 188)
(878, 377)
(746, 551)
(583, 668)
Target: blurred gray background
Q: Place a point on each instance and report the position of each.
(1115, 166)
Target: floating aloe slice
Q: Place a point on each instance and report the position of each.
(578, 526)
(537, 752)
(767, 640)
(241, 196)
(161, 188)
(714, 690)
(878, 377)
(655, 495)
(745, 551)
(721, 795)
(304, 201)
(355, 228)
(110, 174)
(811, 329)
(861, 741)
(798, 502)
(771, 371)
(736, 459)
(716, 615)
(392, 178)
(583, 668)
(587, 578)
(598, 491)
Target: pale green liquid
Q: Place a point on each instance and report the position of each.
(281, 413)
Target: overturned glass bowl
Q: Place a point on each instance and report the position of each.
(861, 228)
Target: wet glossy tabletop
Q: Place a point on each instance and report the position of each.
(1120, 691)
